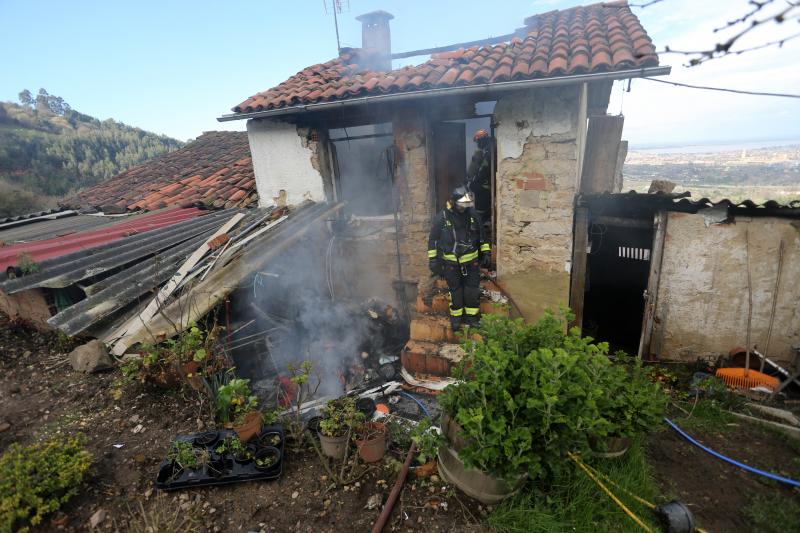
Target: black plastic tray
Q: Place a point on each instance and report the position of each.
(221, 470)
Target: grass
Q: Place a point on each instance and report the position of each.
(770, 517)
(708, 415)
(575, 503)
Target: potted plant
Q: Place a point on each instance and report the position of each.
(371, 441)
(266, 458)
(184, 456)
(528, 395)
(234, 447)
(634, 405)
(339, 418)
(427, 439)
(238, 407)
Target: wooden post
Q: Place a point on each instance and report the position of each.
(651, 294)
(578, 270)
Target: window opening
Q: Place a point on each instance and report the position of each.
(361, 167)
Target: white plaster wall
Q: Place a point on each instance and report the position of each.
(282, 162)
(702, 303)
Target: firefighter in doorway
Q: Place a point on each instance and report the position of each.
(479, 179)
(457, 248)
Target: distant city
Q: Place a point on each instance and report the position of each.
(755, 170)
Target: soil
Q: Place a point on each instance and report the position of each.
(41, 395)
(129, 429)
(718, 493)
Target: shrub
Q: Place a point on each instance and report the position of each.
(529, 396)
(339, 417)
(36, 479)
(634, 403)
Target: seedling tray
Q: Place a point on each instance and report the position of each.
(221, 469)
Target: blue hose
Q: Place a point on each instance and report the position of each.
(729, 460)
(424, 409)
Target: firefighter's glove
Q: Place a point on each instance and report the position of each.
(486, 260)
(435, 265)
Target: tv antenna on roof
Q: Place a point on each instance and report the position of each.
(337, 7)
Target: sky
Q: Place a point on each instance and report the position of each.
(173, 66)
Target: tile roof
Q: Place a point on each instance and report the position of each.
(215, 170)
(601, 37)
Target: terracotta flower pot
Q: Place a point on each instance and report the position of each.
(333, 446)
(372, 448)
(609, 447)
(250, 427)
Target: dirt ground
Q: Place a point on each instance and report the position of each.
(719, 493)
(40, 394)
(129, 430)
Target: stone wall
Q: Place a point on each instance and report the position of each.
(702, 304)
(413, 183)
(285, 162)
(537, 173)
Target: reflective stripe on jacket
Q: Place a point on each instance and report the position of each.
(454, 242)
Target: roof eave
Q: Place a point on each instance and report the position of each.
(484, 88)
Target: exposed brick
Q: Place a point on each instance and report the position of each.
(432, 329)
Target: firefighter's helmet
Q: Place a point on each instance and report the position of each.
(461, 196)
(480, 134)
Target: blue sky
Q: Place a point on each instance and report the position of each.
(174, 66)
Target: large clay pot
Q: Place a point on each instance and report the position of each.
(474, 483)
(373, 448)
(609, 447)
(333, 446)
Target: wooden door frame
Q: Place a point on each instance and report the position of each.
(651, 293)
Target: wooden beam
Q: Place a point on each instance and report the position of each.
(599, 96)
(621, 222)
(600, 161)
(579, 259)
(651, 294)
(622, 154)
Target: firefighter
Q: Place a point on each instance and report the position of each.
(456, 250)
(479, 179)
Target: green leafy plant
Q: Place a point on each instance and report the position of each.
(270, 417)
(528, 396)
(234, 400)
(427, 439)
(183, 454)
(232, 445)
(340, 417)
(27, 264)
(36, 479)
(267, 460)
(305, 385)
(633, 405)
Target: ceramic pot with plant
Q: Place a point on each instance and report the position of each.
(339, 418)
(270, 438)
(527, 397)
(634, 405)
(235, 400)
(371, 442)
(248, 425)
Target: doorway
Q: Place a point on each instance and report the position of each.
(618, 266)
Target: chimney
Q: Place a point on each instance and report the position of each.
(376, 39)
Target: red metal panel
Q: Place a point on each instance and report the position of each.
(59, 246)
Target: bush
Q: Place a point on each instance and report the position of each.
(529, 396)
(532, 393)
(36, 479)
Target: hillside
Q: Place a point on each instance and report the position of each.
(48, 150)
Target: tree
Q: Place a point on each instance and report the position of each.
(25, 98)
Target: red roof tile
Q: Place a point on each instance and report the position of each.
(214, 168)
(596, 38)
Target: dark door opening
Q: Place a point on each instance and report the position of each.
(449, 159)
(617, 272)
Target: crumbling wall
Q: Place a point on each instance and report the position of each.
(701, 310)
(413, 186)
(286, 163)
(537, 170)
(30, 306)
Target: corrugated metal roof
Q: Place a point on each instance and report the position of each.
(49, 226)
(42, 250)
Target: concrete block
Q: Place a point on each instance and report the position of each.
(432, 329)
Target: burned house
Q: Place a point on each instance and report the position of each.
(390, 143)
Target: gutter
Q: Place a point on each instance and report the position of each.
(482, 89)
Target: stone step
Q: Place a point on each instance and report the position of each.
(432, 328)
(430, 358)
(440, 305)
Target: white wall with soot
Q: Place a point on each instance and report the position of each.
(285, 163)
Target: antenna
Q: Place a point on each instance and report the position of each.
(337, 7)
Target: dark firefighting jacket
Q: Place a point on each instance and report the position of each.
(457, 237)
